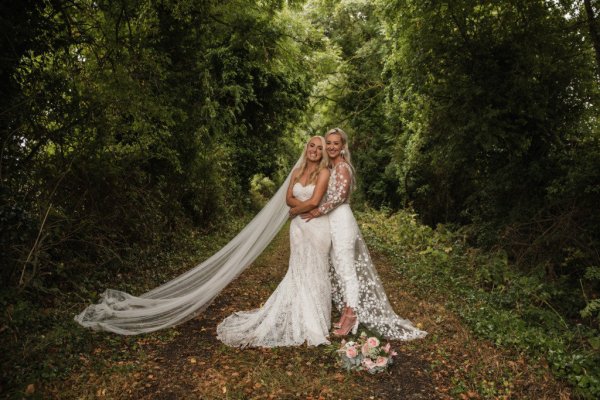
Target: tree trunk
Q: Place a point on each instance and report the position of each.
(594, 35)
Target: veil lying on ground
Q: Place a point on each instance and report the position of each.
(192, 292)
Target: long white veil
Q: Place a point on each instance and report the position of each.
(192, 292)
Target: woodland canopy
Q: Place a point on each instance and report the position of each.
(130, 127)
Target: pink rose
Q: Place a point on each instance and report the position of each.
(351, 352)
(387, 348)
(373, 341)
(381, 361)
(366, 349)
(368, 363)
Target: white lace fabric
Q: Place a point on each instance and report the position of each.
(338, 188)
(299, 310)
(374, 309)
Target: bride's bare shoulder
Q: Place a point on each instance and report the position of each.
(324, 174)
(295, 172)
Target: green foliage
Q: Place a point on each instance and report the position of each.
(487, 92)
(261, 190)
(592, 308)
(351, 95)
(500, 130)
(498, 302)
(138, 121)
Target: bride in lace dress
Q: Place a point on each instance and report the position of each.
(357, 289)
(299, 310)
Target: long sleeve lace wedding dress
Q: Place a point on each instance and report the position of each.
(355, 281)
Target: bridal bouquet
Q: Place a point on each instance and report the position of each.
(365, 353)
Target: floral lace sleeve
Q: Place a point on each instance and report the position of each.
(339, 188)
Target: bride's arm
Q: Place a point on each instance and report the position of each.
(315, 199)
(290, 200)
(341, 191)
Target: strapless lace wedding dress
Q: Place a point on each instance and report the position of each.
(299, 310)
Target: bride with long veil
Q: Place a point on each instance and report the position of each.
(192, 292)
(299, 310)
(357, 291)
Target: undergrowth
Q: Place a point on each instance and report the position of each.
(42, 344)
(499, 303)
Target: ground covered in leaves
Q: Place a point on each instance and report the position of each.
(188, 362)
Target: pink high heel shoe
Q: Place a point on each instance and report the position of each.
(345, 313)
(350, 324)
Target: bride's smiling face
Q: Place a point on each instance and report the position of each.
(334, 145)
(314, 151)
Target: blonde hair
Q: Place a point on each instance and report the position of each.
(324, 163)
(345, 152)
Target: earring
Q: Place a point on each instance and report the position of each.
(343, 152)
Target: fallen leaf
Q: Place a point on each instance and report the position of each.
(30, 389)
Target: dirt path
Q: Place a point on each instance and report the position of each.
(188, 362)
(201, 367)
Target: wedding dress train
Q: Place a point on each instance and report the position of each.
(355, 281)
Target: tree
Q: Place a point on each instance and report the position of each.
(140, 121)
(352, 95)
